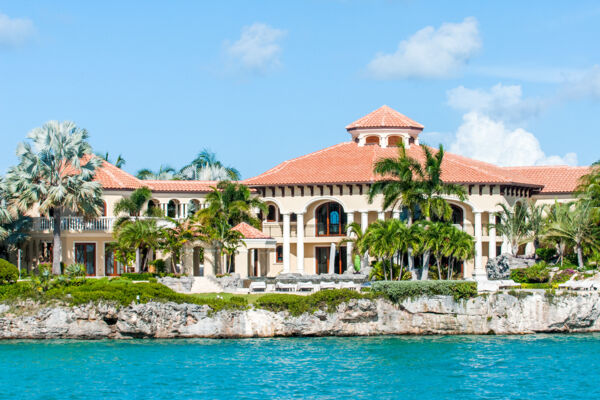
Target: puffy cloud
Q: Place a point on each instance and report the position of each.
(500, 101)
(430, 53)
(258, 47)
(489, 140)
(15, 31)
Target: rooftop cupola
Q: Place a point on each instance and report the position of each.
(385, 127)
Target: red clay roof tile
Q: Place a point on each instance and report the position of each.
(556, 179)
(384, 117)
(249, 231)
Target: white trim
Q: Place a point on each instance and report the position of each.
(325, 199)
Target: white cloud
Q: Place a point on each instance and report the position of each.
(258, 48)
(500, 101)
(430, 53)
(15, 31)
(489, 140)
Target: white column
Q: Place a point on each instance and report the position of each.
(299, 243)
(381, 215)
(349, 260)
(479, 273)
(492, 235)
(286, 243)
(183, 210)
(364, 220)
(396, 214)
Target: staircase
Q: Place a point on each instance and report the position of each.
(203, 284)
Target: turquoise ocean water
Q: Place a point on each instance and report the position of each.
(451, 367)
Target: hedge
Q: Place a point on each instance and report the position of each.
(326, 300)
(8, 272)
(397, 291)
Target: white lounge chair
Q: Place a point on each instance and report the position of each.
(507, 284)
(328, 285)
(258, 286)
(306, 287)
(348, 285)
(285, 287)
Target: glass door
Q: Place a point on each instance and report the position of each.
(85, 253)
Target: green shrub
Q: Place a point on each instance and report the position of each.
(546, 254)
(537, 273)
(141, 276)
(397, 291)
(537, 285)
(563, 276)
(75, 270)
(326, 300)
(8, 272)
(160, 265)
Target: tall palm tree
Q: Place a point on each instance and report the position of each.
(578, 228)
(513, 224)
(558, 214)
(175, 235)
(133, 205)
(589, 185)
(56, 172)
(206, 163)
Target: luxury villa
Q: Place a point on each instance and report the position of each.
(310, 201)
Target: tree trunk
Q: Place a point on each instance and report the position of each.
(438, 262)
(411, 265)
(401, 266)
(579, 255)
(391, 268)
(425, 270)
(57, 243)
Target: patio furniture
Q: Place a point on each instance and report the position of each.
(285, 287)
(328, 285)
(306, 287)
(508, 284)
(348, 285)
(258, 287)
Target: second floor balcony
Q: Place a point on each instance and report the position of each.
(74, 224)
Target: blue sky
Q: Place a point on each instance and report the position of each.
(264, 81)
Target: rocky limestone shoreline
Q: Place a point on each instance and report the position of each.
(499, 313)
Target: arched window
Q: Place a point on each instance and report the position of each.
(279, 254)
(272, 214)
(152, 204)
(331, 220)
(372, 140)
(457, 215)
(394, 140)
(172, 209)
(193, 207)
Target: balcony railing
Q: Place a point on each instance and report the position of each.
(77, 224)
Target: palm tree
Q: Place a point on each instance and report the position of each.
(164, 173)
(234, 202)
(14, 233)
(56, 173)
(383, 244)
(536, 220)
(589, 185)
(579, 228)
(358, 238)
(460, 247)
(200, 166)
(513, 225)
(175, 235)
(119, 162)
(558, 214)
(436, 240)
(216, 230)
(143, 234)
(206, 173)
(133, 205)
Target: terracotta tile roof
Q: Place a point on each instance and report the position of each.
(555, 178)
(249, 231)
(384, 117)
(180, 186)
(349, 163)
(111, 177)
